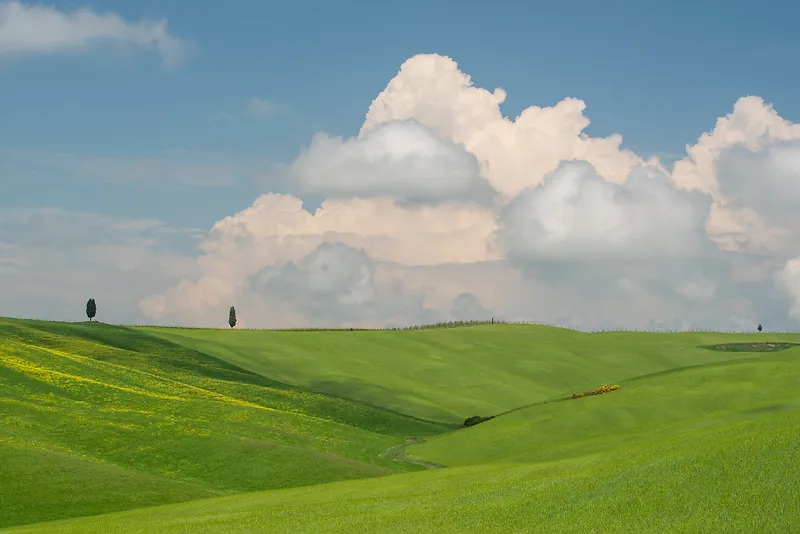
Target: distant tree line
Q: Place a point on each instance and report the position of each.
(91, 313)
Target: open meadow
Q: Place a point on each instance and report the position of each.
(141, 429)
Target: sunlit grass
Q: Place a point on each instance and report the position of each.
(96, 419)
(185, 420)
(734, 478)
(642, 410)
(455, 373)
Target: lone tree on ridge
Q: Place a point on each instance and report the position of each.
(232, 317)
(760, 328)
(91, 309)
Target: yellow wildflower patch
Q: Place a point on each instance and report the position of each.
(597, 391)
(63, 380)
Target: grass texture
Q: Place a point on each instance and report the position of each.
(95, 418)
(184, 430)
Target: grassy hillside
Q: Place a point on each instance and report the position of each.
(703, 434)
(452, 374)
(741, 477)
(95, 418)
(644, 410)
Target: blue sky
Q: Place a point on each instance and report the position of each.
(110, 128)
(656, 72)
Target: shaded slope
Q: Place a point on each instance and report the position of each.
(181, 423)
(454, 373)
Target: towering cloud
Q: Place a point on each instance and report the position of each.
(515, 154)
(441, 207)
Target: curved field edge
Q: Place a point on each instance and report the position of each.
(739, 478)
(172, 423)
(455, 373)
(646, 408)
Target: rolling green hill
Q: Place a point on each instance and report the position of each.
(648, 409)
(96, 418)
(454, 373)
(741, 477)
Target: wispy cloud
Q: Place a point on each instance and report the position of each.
(39, 29)
(52, 260)
(168, 169)
(260, 107)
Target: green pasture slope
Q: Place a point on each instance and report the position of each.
(96, 418)
(695, 440)
(449, 374)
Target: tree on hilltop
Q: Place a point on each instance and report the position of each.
(91, 309)
(232, 317)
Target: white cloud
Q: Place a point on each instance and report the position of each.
(763, 185)
(608, 239)
(333, 285)
(736, 163)
(638, 249)
(752, 124)
(402, 160)
(515, 154)
(575, 216)
(35, 28)
(276, 230)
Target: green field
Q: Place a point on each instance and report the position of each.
(450, 374)
(97, 418)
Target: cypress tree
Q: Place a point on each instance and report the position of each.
(91, 309)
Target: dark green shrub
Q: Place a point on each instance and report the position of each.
(476, 419)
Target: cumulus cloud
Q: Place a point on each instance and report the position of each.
(276, 230)
(575, 215)
(605, 254)
(35, 28)
(581, 232)
(402, 160)
(747, 163)
(514, 154)
(638, 242)
(763, 186)
(335, 285)
(753, 124)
